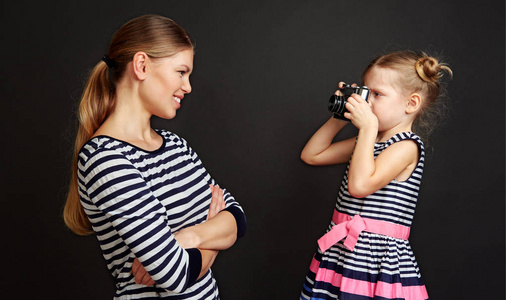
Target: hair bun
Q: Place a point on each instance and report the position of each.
(429, 69)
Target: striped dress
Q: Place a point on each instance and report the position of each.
(380, 267)
(136, 200)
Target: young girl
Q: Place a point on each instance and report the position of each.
(365, 253)
(158, 215)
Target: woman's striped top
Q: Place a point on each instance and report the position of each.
(136, 200)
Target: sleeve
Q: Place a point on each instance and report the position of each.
(231, 205)
(117, 188)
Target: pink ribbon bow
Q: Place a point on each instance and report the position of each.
(348, 229)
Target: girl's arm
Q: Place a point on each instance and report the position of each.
(366, 174)
(320, 150)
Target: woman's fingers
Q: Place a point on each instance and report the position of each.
(140, 274)
(217, 201)
(135, 265)
(221, 200)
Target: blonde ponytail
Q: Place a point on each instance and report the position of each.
(96, 104)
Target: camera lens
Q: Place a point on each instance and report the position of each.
(337, 104)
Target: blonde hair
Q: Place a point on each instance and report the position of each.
(418, 73)
(155, 35)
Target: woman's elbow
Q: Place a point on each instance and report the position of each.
(230, 240)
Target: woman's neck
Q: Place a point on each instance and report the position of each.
(129, 121)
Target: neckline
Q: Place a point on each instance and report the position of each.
(132, 145)
(410, 133)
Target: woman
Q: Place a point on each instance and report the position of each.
(158, 215)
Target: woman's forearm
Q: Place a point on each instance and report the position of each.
(208, 257)
(218, 233)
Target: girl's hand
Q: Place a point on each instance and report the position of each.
(360, 113)
(217, 201)
(341, 85)
(140, 274)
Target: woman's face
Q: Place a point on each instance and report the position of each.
(166, 83)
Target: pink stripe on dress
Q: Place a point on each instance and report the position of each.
(369, 289)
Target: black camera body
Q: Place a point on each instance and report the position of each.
(337, 103)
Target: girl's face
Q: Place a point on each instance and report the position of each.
(166, 83)
(387, 103)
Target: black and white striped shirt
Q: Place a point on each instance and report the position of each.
(136, 200)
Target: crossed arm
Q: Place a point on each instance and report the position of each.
(218, 232)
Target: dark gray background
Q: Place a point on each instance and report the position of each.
(263, 74)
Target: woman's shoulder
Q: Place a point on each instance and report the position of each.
(172, 139)
(97, 144)
(99, 148)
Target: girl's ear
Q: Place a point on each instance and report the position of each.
(139, 63)
(414, 103)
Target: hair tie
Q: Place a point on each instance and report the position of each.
(108, 61)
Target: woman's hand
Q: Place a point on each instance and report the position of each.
(360, 113)
(217, 201)
(140, 274)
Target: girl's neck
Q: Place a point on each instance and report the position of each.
(384, 136)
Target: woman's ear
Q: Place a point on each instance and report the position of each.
(139, 64)
(414, 103)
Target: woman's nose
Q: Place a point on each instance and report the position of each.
(187, 88)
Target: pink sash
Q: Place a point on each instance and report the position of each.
(350, 228)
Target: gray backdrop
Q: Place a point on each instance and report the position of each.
(263, 73)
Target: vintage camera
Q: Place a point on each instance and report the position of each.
(337, 103)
